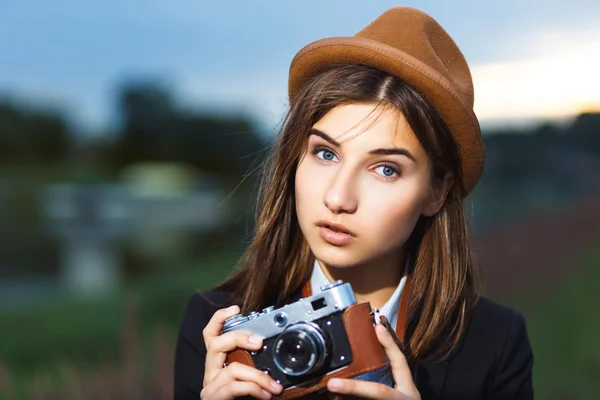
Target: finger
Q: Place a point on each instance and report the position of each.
(243, 372)
(398, 364)
(215, 324)
(238, 389)
(212, 330)
(234, 390)
(240, 372)
(363, 389)
(218, 347)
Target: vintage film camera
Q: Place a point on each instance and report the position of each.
(312, 340)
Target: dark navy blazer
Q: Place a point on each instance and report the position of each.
(493, 361)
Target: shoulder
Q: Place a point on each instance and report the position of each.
(200, 308)
(495, 320)
(190, 351)
(492, 329)
(496, 349)
(211, 299)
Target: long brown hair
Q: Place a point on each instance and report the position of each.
(277, 263)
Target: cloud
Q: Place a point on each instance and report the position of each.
(561, 82)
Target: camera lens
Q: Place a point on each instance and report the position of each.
(300, 349)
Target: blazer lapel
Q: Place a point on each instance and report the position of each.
(430, 378)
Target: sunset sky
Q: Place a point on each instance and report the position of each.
(530, 60)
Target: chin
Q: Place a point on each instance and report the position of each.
(337, 257)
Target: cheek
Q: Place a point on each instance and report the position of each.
(394, 214)
(311, 180)
(305, 190)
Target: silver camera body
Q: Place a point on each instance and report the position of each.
(302, 340)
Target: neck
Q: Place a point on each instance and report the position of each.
(373, 282)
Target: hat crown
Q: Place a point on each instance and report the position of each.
(418, 35)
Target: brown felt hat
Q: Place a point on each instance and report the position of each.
(408, 44)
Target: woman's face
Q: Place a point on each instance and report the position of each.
(361, 185)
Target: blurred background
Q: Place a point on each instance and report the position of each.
(130, 134)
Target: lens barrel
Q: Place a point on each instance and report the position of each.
(300, 349)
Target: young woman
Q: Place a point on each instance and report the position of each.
(366, 184)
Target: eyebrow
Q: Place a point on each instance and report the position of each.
(384, 152)
(325, 136)
(401, 152)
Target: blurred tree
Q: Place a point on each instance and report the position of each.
(155, 129)
(34, 147)
(546, 166)
(586, 130)
(32, 136)
(546, 150)
(587, 124)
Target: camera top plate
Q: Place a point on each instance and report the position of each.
(334, 297)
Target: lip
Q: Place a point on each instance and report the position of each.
(334, 233)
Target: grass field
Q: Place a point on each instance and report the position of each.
(564, 329)
(38, 345)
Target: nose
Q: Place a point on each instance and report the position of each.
(341, 195)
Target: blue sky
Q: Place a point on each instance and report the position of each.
(73, 54)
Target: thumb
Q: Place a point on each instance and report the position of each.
(400, 370)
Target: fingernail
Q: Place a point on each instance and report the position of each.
(255, 339)
(266, 394)
(335, 383)
(276, 386)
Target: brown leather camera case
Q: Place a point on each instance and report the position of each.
(367, 354)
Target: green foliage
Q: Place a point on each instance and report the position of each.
(80, 330)
(32, 135)
(87, 332)
(565, 334)
(24, 246)
(155, 129)
(544, 167)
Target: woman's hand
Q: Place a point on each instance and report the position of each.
(236, 379)
(404, 388)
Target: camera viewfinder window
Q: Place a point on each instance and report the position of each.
(318, 304)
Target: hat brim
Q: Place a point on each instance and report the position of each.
(435, 87)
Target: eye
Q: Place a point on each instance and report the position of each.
(387, 171)
(325, 154)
